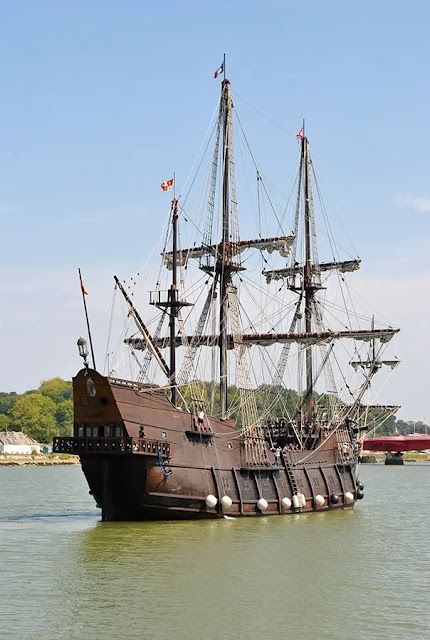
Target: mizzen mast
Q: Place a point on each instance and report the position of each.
(173, 302)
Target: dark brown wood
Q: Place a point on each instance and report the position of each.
(224, 263)
(238, 490)
(339, 475)
(307, 283)
(277, 491)
(311, 486)
(321, 468)
(129, 479)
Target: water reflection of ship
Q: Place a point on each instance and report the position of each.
(189, 449)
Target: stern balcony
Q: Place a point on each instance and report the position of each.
(118, 446)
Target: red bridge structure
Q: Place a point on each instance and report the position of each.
(395, 446)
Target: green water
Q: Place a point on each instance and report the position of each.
(361, 574)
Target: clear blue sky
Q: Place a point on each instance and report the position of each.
(102, 100)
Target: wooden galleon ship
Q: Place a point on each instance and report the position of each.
(253, 411)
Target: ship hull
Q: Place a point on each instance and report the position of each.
(133, 489)
(146, 460)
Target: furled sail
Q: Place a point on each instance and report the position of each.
(237, 375)
(342, 267)
(282, 244)
(364, 364)
(266, 339)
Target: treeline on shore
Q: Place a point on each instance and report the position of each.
(40, 413)
(47, 411)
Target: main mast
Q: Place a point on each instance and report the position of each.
(224, 265)
(307, 282)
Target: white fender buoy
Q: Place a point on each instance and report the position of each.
(296, 501)
(262, 504)
(349, 497)
(226, 501)
(319, 501)
(286, 503)
(211, 501)
(302, 499)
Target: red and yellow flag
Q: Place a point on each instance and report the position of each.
(167, 185)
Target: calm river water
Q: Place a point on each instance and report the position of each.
(361, 574)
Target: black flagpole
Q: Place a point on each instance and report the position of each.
(84, 293)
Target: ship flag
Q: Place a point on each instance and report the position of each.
(167, 185)
(299, 135)
(82, 285)
(219, 70)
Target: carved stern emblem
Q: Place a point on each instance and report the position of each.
(91, 387)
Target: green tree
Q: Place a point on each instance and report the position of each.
(34, 414)
(64, 417)
(386, 425)
(4, 422)
(7, 400)
(56, 388)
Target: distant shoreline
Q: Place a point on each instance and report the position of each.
(51, 459)
(40, 459)
(409, 456)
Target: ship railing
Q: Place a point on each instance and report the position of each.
(130, 384)
(347, 456)
(345, 448)
(76, 446)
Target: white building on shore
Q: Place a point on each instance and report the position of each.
(17, 442)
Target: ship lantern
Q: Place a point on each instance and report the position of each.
(83, 350)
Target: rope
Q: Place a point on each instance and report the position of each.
(160, 460)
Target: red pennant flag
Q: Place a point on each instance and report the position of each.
(167, 185)
(82, 285)
(299, 135)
